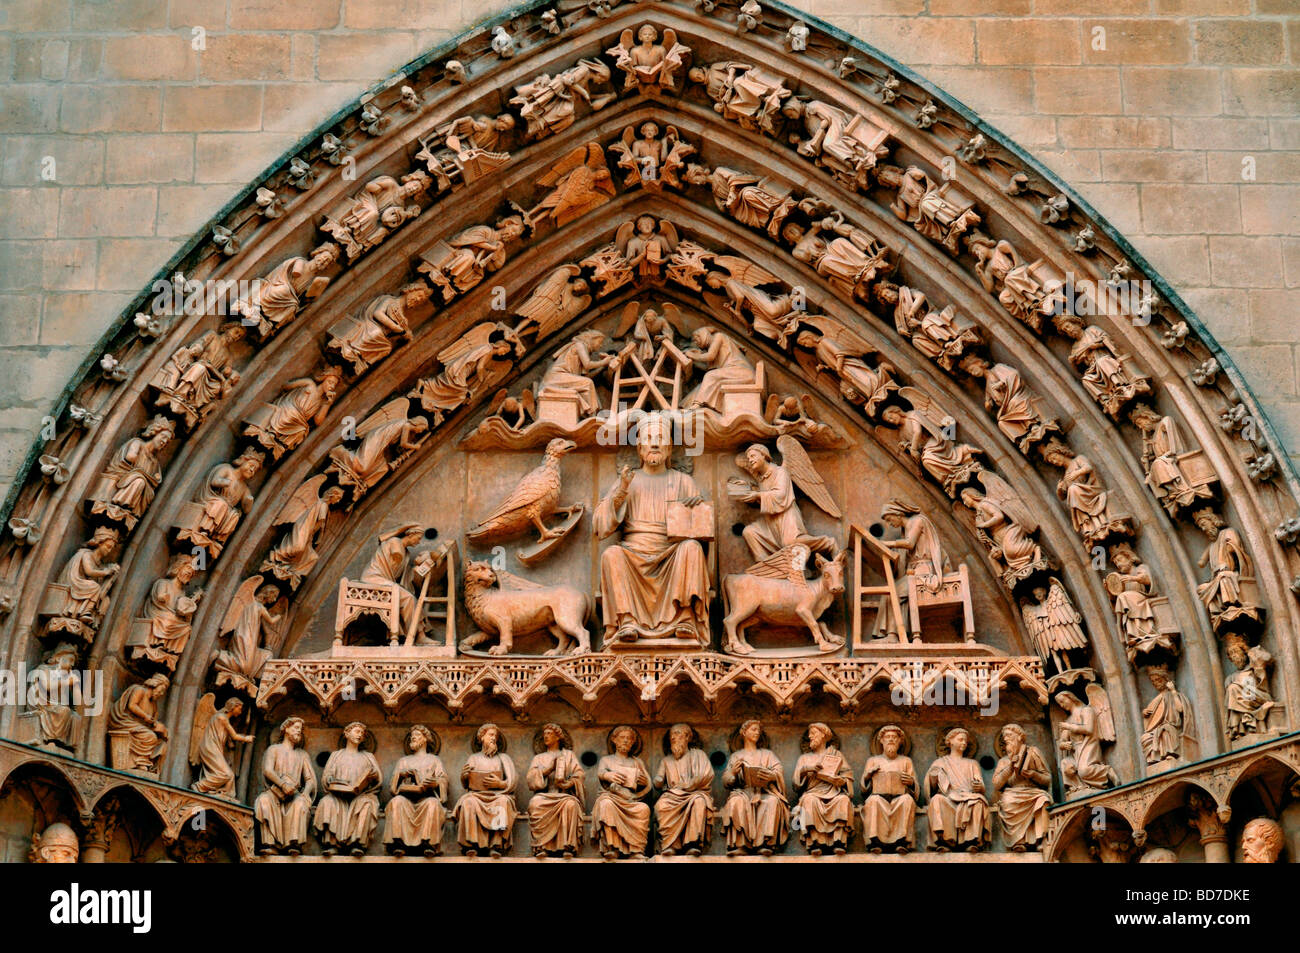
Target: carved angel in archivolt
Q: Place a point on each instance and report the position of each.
(646, 244)
(283, 423)
(647, 64)
(1087, 726)
(578, 183)
(926, 434)
(1229, 594)
(939, 335)
(840, 351)
(1005, 525)
(477, 361)
(558, 298)
(788, 412)
(306, 514)
(1055, 626)
(248, 621)
(212, 734)
(774, 316)
(648, 328)
(367, 339)
(387, 437)
(652, 161)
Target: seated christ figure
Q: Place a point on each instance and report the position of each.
(651, 587)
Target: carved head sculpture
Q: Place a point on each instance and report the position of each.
(233, 333)
(1112, 844)
(1159, 677)
(248, 463)
(558, 447)
(1208, 522)
(750, 732)
(422, 736)
(1123, 557)
(832, 571)
(591, 338)
(817, 736)
(510, 228)
(957, 742)
(654, 442)
(1067, 700)
(333, 496)
(356, 735)
(1236, 649)
(160, 431)
(624, 740)
(649, 130)
(896, 512)
(1262, 840)
(551, 737)
(1011, 741)
(755, 460)
(890, 741)
(293, 732)
(181, 568)
(64, 657)
(157, 685)
(1158, 855)
(57, 844)
(233, 708)
(268, 594)
(680, 738)
(647, 34)
(488, 740)
(104, 541)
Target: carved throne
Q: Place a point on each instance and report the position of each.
(951, 602)
(740, 399)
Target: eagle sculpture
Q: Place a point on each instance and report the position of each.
(531, 502)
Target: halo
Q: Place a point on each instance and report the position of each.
(636, 743)
(878, 748)
(477, 743)
(566, 740)
(941, 741)
(435, 742)
(833, 741)
(693, 743)
(735, 742)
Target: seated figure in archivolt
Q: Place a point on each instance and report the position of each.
(652, 587)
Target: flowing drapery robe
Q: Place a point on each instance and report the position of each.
(924, 559)
(1136, 617)
(223, 497)
(555, 813)
(826, 809)
(147, 745)
(568, 375)
(1083, 760)
(647, 580)
(889, 809)
(731, 367)
(366, 341)
(1089, 512)
(958, 813)
(1005, 390)
(1166, 720)
(385, 567)
(779, 522)
(289, 418)
(295, 555)
(204, 380)
(485, 820)
(244, 658)
(872, 386)
(344, 817)
(168, 610)
(757, 816)
(1166, 444)
(135, 473)
(1228, 560)
(283, 819)
(1023, 803)
(684, 810)
(1249, 701)
(88, 581)
(51, 693)
(620, 819)
(415, 818)
(280, 292)
(216, 776)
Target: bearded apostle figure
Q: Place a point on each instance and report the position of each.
(651, 586)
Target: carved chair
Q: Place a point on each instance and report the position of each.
(950, 602)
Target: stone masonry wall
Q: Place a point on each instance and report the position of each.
(151, 137)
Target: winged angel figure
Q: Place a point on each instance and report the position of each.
(1086, 727)
(306, 514)
(1054, 623)
(779, 523)
(774, 316)
(579, 182)
(389, 430)
(248, 620)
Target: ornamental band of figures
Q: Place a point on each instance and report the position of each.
(635, 812)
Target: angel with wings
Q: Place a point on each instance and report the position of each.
(211, 735)
(387, 429)
(248, 620)
(840, 351)
(1055, 625)
(1006, 526)
(306, 513)
(773, 316)
(779, 523)
(477, 360)
(649, 65)
(558, 298)
(578, 183)
(925, 434)
(522, 407)
(1086, 726)
(646, 245)
(652, 161)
